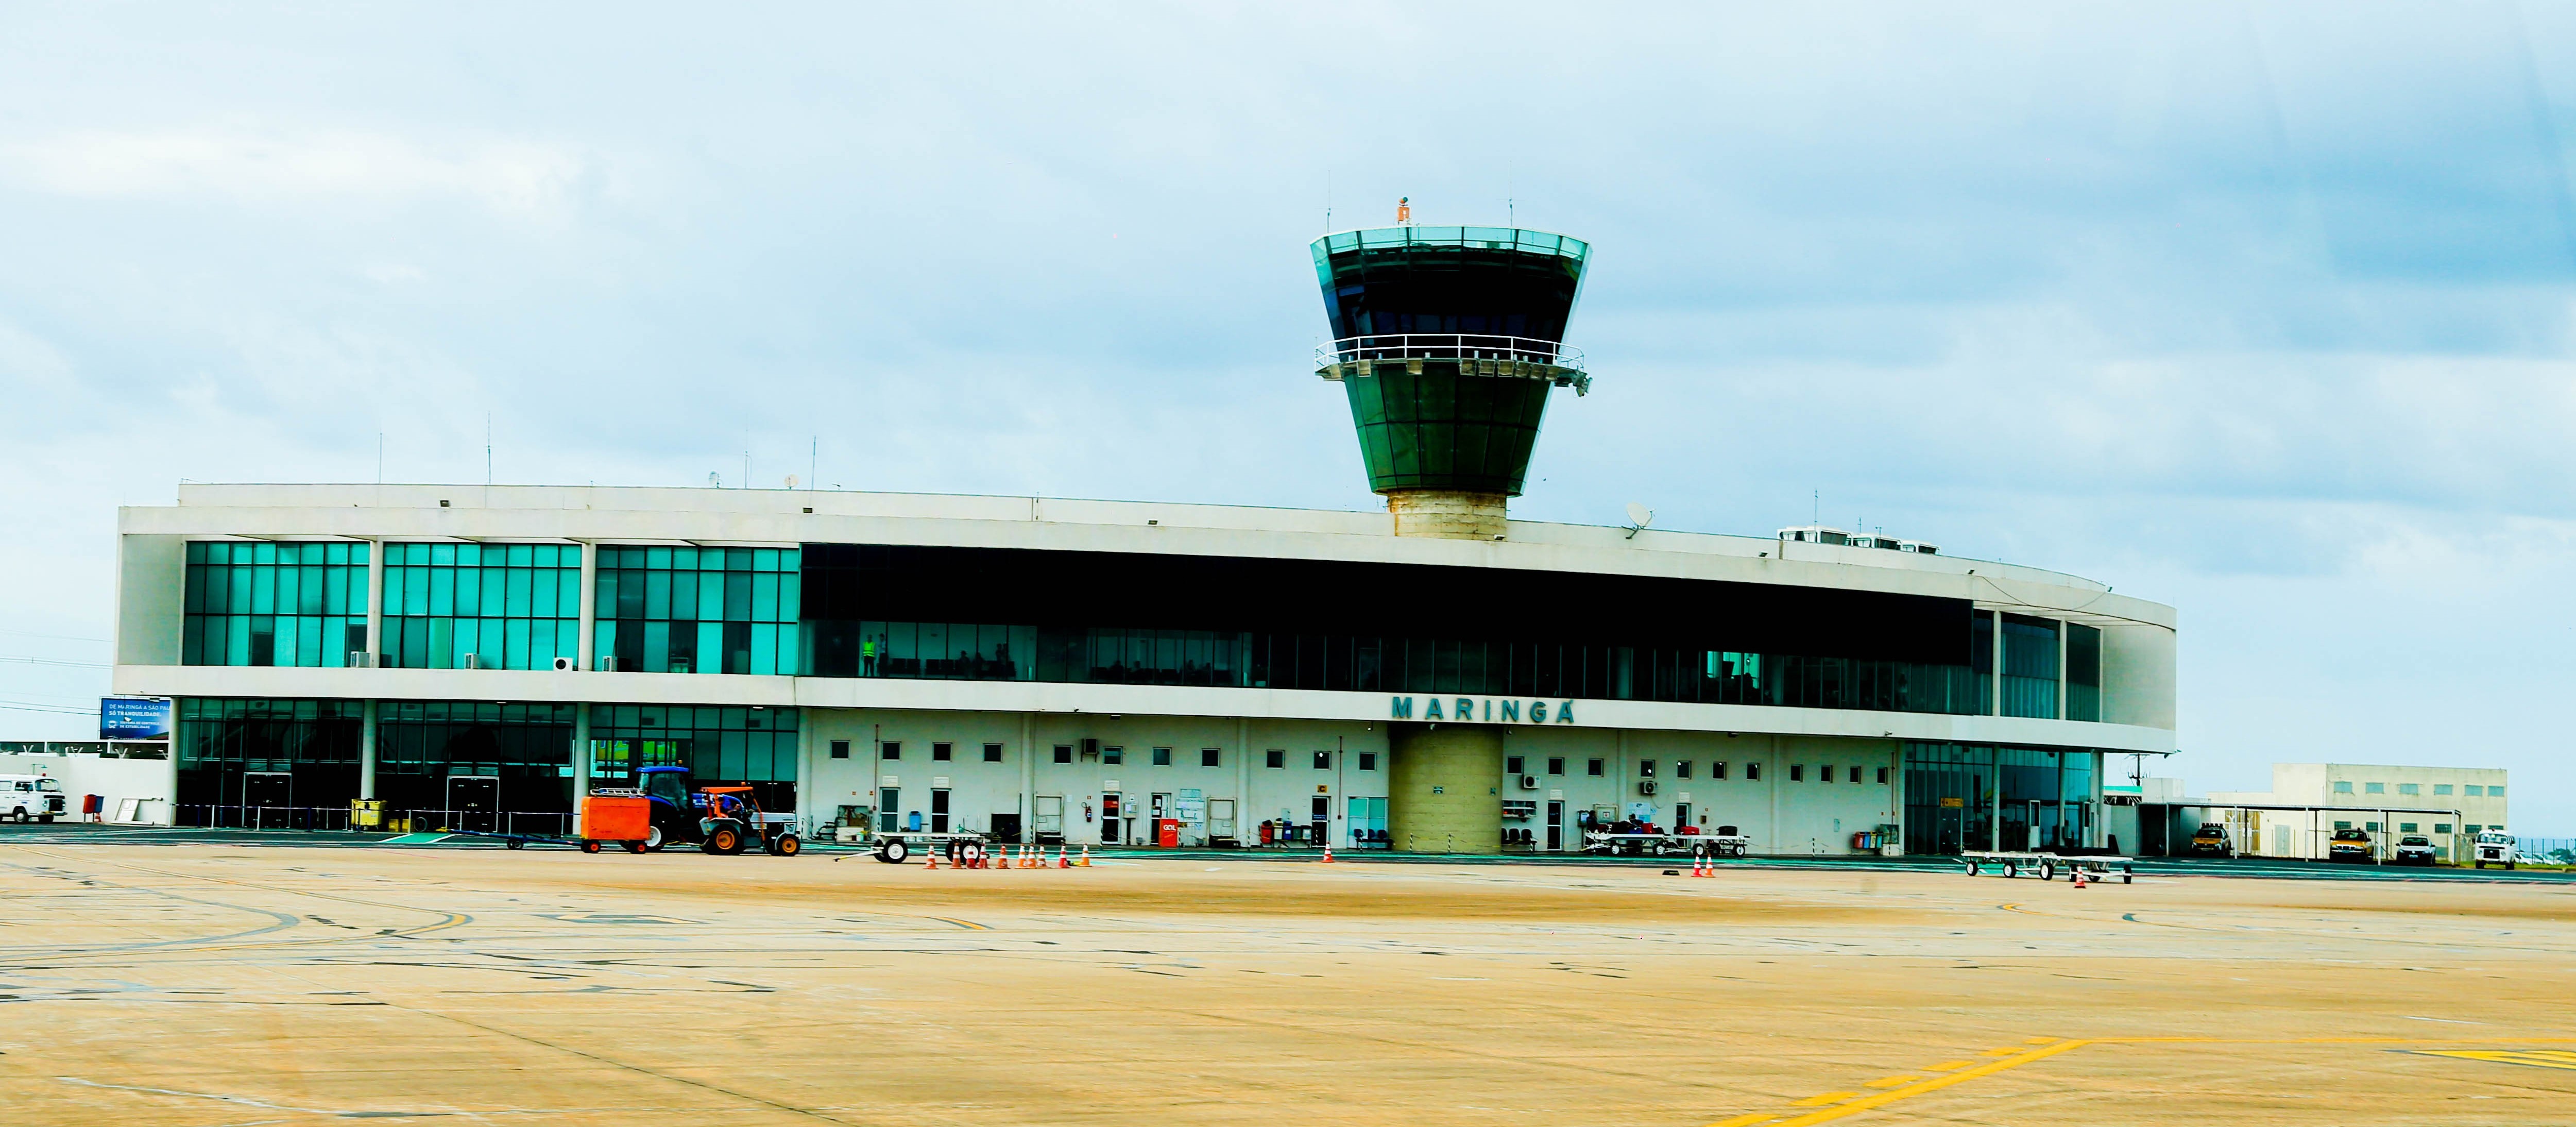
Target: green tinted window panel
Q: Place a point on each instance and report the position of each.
(1437, 429)
(285, 604)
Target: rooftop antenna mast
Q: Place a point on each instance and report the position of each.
(487, 449)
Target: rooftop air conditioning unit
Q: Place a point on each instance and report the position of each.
(1529, 782)
(563, 665)
(1645, 786)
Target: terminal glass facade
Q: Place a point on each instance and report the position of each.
(266, 603)
(279, 753)
(719, 745)
(700, 610)
(2030, 667)
(1967, 797)
(2083, 672)
(487, 606)
(1004, 614)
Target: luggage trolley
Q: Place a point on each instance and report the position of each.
(2048, 864)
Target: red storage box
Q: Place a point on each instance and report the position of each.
(616, 818)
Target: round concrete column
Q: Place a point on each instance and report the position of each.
(1443, 788)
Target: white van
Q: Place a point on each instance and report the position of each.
(2496, 847)
(30, 796)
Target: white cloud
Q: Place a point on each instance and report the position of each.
(271, 165)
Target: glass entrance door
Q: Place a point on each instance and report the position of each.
(1555, 824)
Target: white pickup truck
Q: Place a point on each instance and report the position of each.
(30, 796)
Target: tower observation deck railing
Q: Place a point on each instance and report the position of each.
(1483, 354)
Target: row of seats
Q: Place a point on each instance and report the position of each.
(1512, 836)
(1368, 837)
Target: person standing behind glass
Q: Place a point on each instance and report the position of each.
(867, 657)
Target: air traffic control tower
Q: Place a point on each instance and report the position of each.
(1448, 341)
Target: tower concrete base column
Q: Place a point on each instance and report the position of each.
(1449, 513)
(1444, 788)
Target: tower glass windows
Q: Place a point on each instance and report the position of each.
(2030, 667)
(267, 603)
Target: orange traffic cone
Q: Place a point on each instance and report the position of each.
(1085, 863)
(1328, 853)
(1060, 862)
(2079, 879)
(933, 858)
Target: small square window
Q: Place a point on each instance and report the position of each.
(2473, 792)
(1717, 769)
(2495, 792)
(1797, 772)
(1323, 761)
(893, 749)
(2343, 825)
(992, 753)
(1274, 758)
(942, 753)
(1855, 776)
(2441, 788)
(840, 749)
(1556, 765)
(1211, 757)
(1368, 761)
(1064, 753)
(2406, 827)
(2371, 826)
(1592, 767)
(2472, 827)
(1753, 772)
(1162, 757)
(1681, 768)
(1512, 764)
(1645, 768)
(1882, 776)
(2343, 786)
(1113, 755)
(2410, 788)
(2374, 788)
(2441, 827)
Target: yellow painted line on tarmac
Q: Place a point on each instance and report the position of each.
(1820, 1101)
(1892, 1081)
(1743, 1120)
(2006, 1051)
(1948, 1066)
(2537, 1058)
(969, 925)
(1935, 1084)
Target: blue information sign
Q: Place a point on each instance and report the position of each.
(134, 718)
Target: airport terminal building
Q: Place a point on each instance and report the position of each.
(1433, 678)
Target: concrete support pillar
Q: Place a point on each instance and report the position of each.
(367, 744)
(580, 761)
(589, 606)
(1028, 777)
(1443, 782)
(1995, 707)
(1244, 826)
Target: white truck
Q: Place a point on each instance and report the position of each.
(30, 796)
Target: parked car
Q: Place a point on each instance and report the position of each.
(2351, 845)
(2211, 840)
(2415, 849)
(2496, 847)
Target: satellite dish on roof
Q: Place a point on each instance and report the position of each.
(1639, 517)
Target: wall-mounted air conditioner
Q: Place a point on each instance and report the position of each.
(1529, 782)
(563, 665)
(361, 659)
(472, 661)
(606, 663)
(1645, 786)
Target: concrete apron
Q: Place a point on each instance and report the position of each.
(1441, 791)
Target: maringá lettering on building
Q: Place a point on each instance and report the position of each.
(1484, 710)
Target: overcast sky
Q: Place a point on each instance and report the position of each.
(2261, 311)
